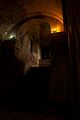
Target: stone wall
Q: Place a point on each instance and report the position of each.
(10, 12)
(23, 51)
(28, 43)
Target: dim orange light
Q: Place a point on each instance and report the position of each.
(55, 29)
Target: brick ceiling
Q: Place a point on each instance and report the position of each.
(15, 12)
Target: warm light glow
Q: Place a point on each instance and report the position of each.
(55, 29)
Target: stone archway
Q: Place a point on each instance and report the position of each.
(27, 47)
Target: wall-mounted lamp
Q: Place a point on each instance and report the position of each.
(12, 36)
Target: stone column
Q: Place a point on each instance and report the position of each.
(71, 13)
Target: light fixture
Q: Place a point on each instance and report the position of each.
(12, 36)
(55, 29)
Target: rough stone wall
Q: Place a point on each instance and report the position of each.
(10, 12)
(29, 41)
(23, 45)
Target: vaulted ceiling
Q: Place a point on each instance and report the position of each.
(13, 13)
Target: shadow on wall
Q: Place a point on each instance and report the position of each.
(11, 69)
